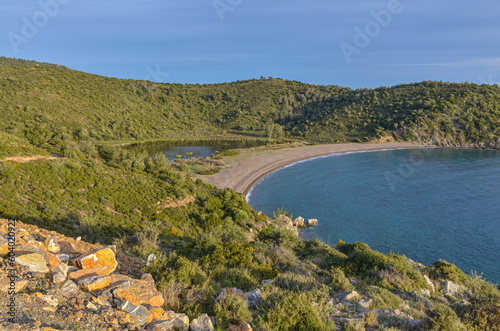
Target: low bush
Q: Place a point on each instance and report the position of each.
(382, 298)
(231, 310)
(288, 310)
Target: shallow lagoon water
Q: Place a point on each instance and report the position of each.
(426, 204)
(195, 148)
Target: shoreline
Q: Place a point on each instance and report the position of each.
(249, 168)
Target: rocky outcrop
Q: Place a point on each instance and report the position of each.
(202, 323)
(450, 288)
(299, 222)
(312, 222)
(254, 298)
(84, 282)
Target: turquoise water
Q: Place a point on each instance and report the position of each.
(427, 204)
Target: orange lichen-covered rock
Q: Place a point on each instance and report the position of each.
(102, 257)
(139, 292)
(84, 273)
(93, 283)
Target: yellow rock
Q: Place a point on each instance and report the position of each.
(102, 257)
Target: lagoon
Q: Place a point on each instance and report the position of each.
(193, 148)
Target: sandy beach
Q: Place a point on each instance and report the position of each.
(245, 170)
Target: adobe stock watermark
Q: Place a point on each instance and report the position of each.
(11, 272)
(223, 6)
(156, 75)
(372, 29)
(407, 167)
(32, 25)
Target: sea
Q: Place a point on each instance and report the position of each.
(428, 204)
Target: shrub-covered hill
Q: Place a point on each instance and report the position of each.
(48, 103)
(206, 239)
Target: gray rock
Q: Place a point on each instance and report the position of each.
(430, 283)
(178, 322)
(64, 258)
(450, 288)
(68, 288)
(234, 292)
(51, 245)
(140, 312)
(202, 323)
(425, 292)
(254, 298)
(350, 296)
(58, 278)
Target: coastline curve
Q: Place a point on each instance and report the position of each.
(245, 171)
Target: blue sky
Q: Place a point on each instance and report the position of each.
(355, 43)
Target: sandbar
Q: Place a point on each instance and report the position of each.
(244, 171)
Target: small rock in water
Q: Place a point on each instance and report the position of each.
(312, 222)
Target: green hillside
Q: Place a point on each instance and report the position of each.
(206, 239)
(43, 103)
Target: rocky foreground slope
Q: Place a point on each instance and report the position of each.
(52, 282)
(60, 283)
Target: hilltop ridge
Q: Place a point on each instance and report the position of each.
(46, 104)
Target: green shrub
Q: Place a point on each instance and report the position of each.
(241, 278)
(174, 267)
(295, 282)
(445, 319)
(229, 153)
(339, 280)
(231, 310)
(280, 237)
(288, 310)
(185, 167)
(383, 298)
(444, 270)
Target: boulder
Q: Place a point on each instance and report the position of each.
(202, 323)
(64, 258)
(450, 288)
(430, 283)
(58, 278)
(34, 261)
(68, 248)
(102, 257)
(4, 246)
(93, 283)
(17, 284)
(254, 298)
(299, 222)
(84, 273)
(68, 288)
(140, 315)
(51, 245)
(62, 268)
(350, 296)
(312, 222)
(171, 321)
(234, 292)
(138, 292)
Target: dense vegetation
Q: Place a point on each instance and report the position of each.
(206, 239)
(47, 104)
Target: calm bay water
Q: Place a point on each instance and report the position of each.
(427, 204)
(195, 148)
